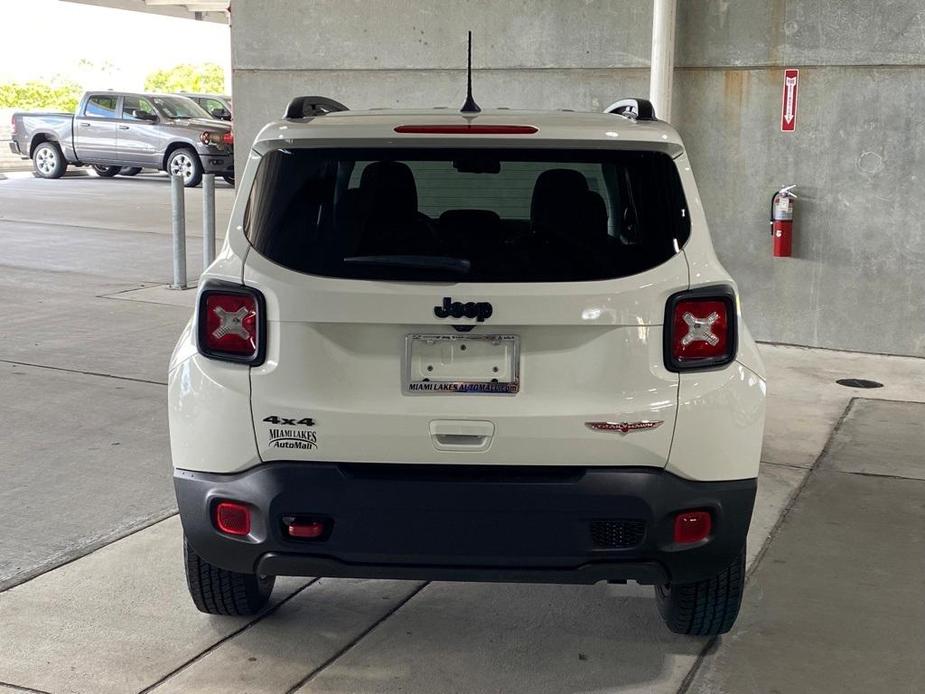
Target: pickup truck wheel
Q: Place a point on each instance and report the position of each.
(219, 591)
(129, 170)
(48, 161)
(106, 171)
(705, 608)
(185, 162)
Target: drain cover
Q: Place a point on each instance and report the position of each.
(858, 383)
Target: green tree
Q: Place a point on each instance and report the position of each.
(61, 96)
(208, 78)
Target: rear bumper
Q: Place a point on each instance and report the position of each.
(14, 148)
(217, 163)
(468, 523)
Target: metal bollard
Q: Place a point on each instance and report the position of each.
(208, 220)
(178, 227)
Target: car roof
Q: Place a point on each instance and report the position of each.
(380, 124)
(204, 94)
(113, 92)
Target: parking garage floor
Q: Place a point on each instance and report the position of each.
(92, 595)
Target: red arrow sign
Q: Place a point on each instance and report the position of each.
(788, 106)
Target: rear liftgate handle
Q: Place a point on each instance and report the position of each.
(461, 434)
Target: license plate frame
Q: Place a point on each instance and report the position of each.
(507, 346)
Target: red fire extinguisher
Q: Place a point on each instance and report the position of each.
(782, 222)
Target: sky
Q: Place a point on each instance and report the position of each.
(99, 47)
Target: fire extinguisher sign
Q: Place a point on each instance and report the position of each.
(788, 106)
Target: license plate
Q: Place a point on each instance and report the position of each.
(473, 364)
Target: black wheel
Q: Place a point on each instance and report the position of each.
(106, 171)
(130, 171)
(229, 180)
(185, 162)
(219, 591)
(705, 608)
(48, 161)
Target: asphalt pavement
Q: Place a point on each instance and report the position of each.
(92, 595)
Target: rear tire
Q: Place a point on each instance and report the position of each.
(185, 162)
(106, 171)
(705, 608)
(48, 161)
(129, 170)
(219, 591)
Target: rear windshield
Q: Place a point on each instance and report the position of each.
(473, 215)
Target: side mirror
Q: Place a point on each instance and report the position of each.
(143, 115)
(221, 113)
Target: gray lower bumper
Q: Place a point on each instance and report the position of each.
(218, 163)
(466, 522)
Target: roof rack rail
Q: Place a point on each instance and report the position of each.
(311, 106)
(634, 109)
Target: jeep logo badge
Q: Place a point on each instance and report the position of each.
(480, 311)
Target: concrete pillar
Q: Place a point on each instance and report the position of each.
(662, 76)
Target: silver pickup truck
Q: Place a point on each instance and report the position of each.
(120, 132)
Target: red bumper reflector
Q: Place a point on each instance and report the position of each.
(469, 129)
(232, 518)
(692, 526)
(304, 529)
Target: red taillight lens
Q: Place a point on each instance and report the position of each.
(233, 518)
(211, 138)
(701, 330)
(692, 526)
(230, 325)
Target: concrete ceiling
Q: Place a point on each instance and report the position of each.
(205, 10)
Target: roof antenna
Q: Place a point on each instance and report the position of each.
(470, 106)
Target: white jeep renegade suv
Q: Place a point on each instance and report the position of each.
(491, 346)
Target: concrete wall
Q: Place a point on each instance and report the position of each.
(859, 276)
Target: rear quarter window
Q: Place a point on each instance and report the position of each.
(474, 215)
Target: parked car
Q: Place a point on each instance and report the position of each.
(474, 346)
(120, 131)
(216, 105)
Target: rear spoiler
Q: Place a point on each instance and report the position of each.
(312, 106)
(634, 109)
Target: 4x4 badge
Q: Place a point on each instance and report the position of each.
(480, 311)
(624, 427)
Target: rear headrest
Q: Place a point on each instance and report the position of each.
(592, 216)
(389, 190)
(556, 193)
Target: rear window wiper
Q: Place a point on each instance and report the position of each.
(456, 266)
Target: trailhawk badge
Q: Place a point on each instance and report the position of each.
(624, 427)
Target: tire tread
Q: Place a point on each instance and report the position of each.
(708, 607)
(219, 591)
